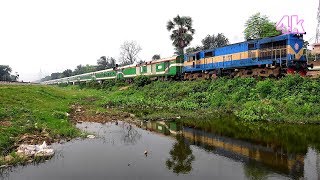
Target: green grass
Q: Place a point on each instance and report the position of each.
(290, 99)
(248, 101)
(34, 108)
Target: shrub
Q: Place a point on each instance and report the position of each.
(82, 85)
(108, 84)
(141, 81)
(93, 84)
(264, 88)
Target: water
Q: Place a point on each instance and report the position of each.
(174, 152)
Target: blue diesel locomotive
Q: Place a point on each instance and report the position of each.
(266, 57)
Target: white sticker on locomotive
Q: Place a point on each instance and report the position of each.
(296, 46)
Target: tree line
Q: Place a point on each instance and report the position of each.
(6, 74)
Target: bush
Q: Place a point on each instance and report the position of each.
(141, 81)
(264, 88)
(93, 84)
(82, 85)
(108, 84)
(120, 82)
(257, 110)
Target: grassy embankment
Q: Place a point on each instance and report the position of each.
(34, 109)
(291, 99)
(250, 109)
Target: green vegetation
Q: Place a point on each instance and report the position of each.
(210, 42)
(33, 109)
(259, 26)
(290, 99)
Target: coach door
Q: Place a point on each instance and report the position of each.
(138, 70)
(153, 68)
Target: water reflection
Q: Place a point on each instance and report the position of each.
(129, 134)
(117, 153)
(274, 159)
(261, 159)
(181, 157)
(254, 171)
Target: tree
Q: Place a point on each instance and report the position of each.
(194, 49)
(210, 42)
(67, 73)
(105, 63)
(84, 69)
(47, 78)
(181, 32)
(259, 26)
(5, 72)
(16, 76)
(56, 75)
(111, 62)
(102, 63)
(181, 157)
(156, 56)
(129, 51)
(213, 41)
(78, 70)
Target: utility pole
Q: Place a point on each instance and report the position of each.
(316, 45)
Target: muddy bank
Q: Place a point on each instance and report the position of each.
(83, 113)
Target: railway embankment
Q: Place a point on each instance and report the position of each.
(292, 99)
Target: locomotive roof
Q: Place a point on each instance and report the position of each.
(262, 40)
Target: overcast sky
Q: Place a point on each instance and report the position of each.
(50, 36)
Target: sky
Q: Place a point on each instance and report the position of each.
(39, 37)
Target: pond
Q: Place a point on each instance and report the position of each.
(168, 150)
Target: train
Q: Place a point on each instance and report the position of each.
(266, 57)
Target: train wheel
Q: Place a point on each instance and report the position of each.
(303, 73)
(290, 71)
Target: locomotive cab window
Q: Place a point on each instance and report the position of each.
(251, 46)
(208, 54)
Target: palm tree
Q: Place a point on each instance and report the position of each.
(182, 32)
(181, 157)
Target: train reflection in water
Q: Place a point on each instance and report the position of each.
(258, 155)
